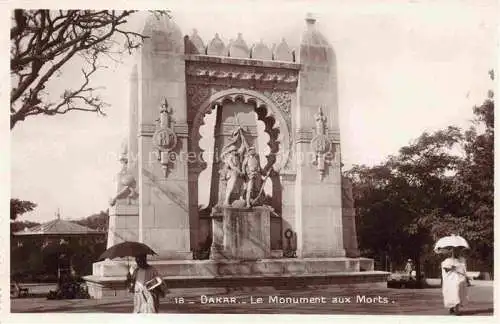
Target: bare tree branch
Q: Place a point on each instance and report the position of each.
(44, 41)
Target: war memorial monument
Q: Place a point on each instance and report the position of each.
(304, 227)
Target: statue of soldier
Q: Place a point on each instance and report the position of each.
(232, 165)
(252, 170)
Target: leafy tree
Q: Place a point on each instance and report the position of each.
(44, 41)
(474, 187)
(19, 207)
(19, 226)
(97, 221)
(26, 258)
(429, 190)
(394, 199)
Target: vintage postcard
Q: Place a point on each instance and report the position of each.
(249, 157)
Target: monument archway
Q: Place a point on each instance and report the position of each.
(177, 82)
(278, 129)
(260, 101)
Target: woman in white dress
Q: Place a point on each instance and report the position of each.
(454, 283)
(145, 300)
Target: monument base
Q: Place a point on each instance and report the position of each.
(106, 281)
(241, 233)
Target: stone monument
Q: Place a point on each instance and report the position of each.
(241, 226)
(303, 226)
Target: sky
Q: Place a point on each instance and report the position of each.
(403, 68)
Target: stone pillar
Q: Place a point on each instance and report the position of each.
(123, 223)
(349, 220)
(318, 190)
(124, 214)
(164, 222)
(133, 145)
(124, 211)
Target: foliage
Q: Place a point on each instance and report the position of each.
(37, 258)
(25, 256)
(19, 207)
(17, 226)
(440, 184)
(44, 41)
(97, 221)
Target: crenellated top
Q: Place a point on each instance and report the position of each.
(197, 41)
(238, 48)
(261, 51)
(165, 35)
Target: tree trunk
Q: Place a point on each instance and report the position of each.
(418, 267)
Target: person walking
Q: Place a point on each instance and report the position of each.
(409, 268)
(145, 300)
(454, 278)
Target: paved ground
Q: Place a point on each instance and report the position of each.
(329, 300)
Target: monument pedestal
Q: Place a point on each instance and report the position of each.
(109, 277)
(241, 233)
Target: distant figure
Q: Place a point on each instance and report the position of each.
(454, 283)
(145, 300)
(409, 268)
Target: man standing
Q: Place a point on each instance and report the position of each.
(409, 268)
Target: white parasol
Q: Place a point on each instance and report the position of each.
(452, 241)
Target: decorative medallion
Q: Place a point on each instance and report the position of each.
(164, 138)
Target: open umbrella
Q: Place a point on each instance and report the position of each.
(449, 242)
(126, 249)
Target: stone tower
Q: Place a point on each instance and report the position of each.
(318, 189)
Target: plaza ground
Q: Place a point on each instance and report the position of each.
(337, 300)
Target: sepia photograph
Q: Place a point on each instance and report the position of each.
(250, 157)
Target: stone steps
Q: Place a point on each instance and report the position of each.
(282, 280)
(115, 286)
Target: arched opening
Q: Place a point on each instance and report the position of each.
(210, 131)
(206, 144)
(265, 143)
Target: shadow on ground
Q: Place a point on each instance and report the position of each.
(477, 311)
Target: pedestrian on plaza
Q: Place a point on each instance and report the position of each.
(409, 268)
(454, 276)
(146, 298)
